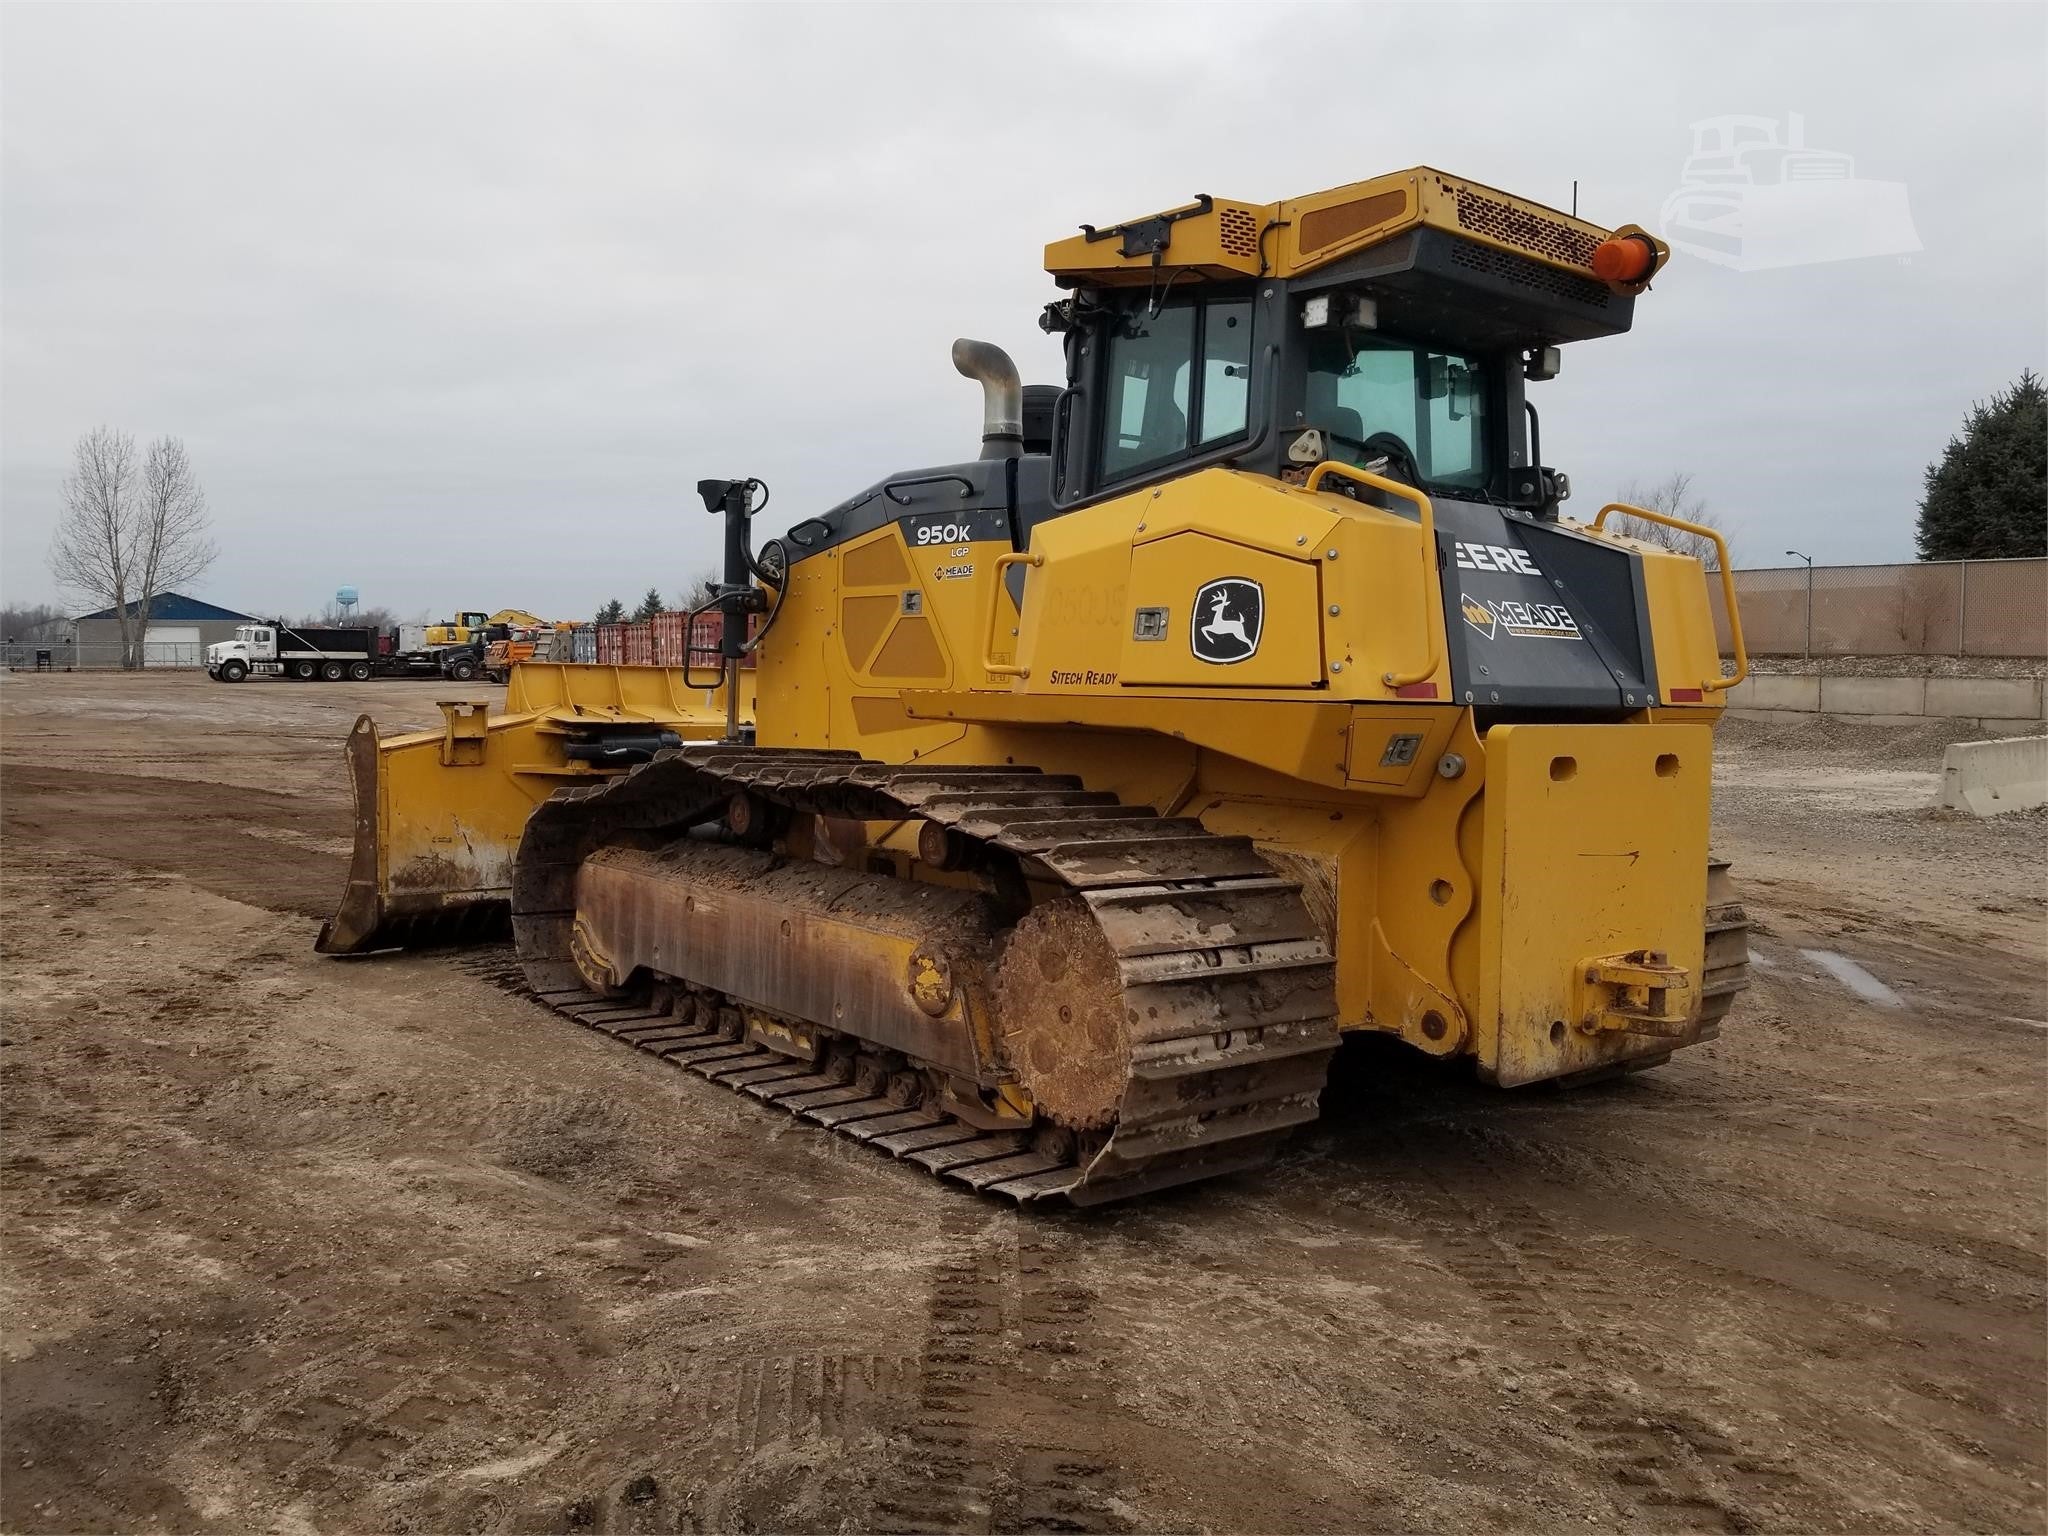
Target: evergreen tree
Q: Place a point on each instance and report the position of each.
(650, 605)
(1987, 495)
(613, 612)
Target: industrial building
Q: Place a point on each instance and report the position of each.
(179, 631)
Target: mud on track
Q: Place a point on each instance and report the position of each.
(339, 1246)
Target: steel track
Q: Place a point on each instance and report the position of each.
(1227, 984)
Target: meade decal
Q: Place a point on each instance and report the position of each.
(1228, 615)
(1477, 614)
(1495, 557)
(1528, 621)
(1536, 621)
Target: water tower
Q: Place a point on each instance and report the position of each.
(346, 598)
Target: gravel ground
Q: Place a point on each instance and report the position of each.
(308, 1245)
(1904, 666)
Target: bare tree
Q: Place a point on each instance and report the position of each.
(92, 552)
(697, 592)
(171, 536)
(1674, 497)
(126, 536)
(32, 621)
(334, 616)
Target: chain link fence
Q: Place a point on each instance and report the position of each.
(1928, 608)
(70, 656)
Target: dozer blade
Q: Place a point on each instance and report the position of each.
(439, 813)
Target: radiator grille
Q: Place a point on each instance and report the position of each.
(1531, 232)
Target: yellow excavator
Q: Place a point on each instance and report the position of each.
(1251, 689)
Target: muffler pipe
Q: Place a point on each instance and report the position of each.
(1002, 396)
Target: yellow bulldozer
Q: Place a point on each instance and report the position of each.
(1054, 813)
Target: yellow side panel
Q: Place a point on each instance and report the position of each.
(862, 622)
(1595, 845)
(1198, 581)
(801, 659)
(1681, 625)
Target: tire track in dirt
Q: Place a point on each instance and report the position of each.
(749, 1403)
(988, 1444)
(1676, 1461)
(1056, 1483)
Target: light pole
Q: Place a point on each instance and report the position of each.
(1809, 598)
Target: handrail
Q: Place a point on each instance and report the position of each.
(1426, 514)
(1712, 536)
(995, 607)
(967, 486)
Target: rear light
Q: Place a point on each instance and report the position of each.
(1624, 259)
(1416, 691)
(1687, 696)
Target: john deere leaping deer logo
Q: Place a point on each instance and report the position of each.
(1228, 616)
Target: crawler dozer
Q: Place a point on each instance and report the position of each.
(1250, 689)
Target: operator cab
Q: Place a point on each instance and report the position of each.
(1277, 380)
(1392, 326)
(1393, 323)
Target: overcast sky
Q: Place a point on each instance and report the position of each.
(456, 303)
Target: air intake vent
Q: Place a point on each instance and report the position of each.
(1326, 226)
(1237, 232)
(1525, 231)
(1530, 274)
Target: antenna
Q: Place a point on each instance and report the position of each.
(1575, 197)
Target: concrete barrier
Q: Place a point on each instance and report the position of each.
(1984, 698)
(1873, 695)
(1777, 690)
(1987, 777)
(2005, 706)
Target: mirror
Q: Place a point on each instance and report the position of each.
(1464, 392)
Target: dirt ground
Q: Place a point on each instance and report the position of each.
(298, 1244)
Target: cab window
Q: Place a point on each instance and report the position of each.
(1432, 401)
(1176, 380)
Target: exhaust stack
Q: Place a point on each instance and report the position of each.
(1002, 396)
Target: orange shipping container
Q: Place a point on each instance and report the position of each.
(668, 639)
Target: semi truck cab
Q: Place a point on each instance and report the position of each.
(254, 649)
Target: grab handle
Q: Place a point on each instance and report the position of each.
(1426, 515)
(995, 607)
(1712, 536)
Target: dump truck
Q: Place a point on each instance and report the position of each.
(307, 653)
(1249, 690)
